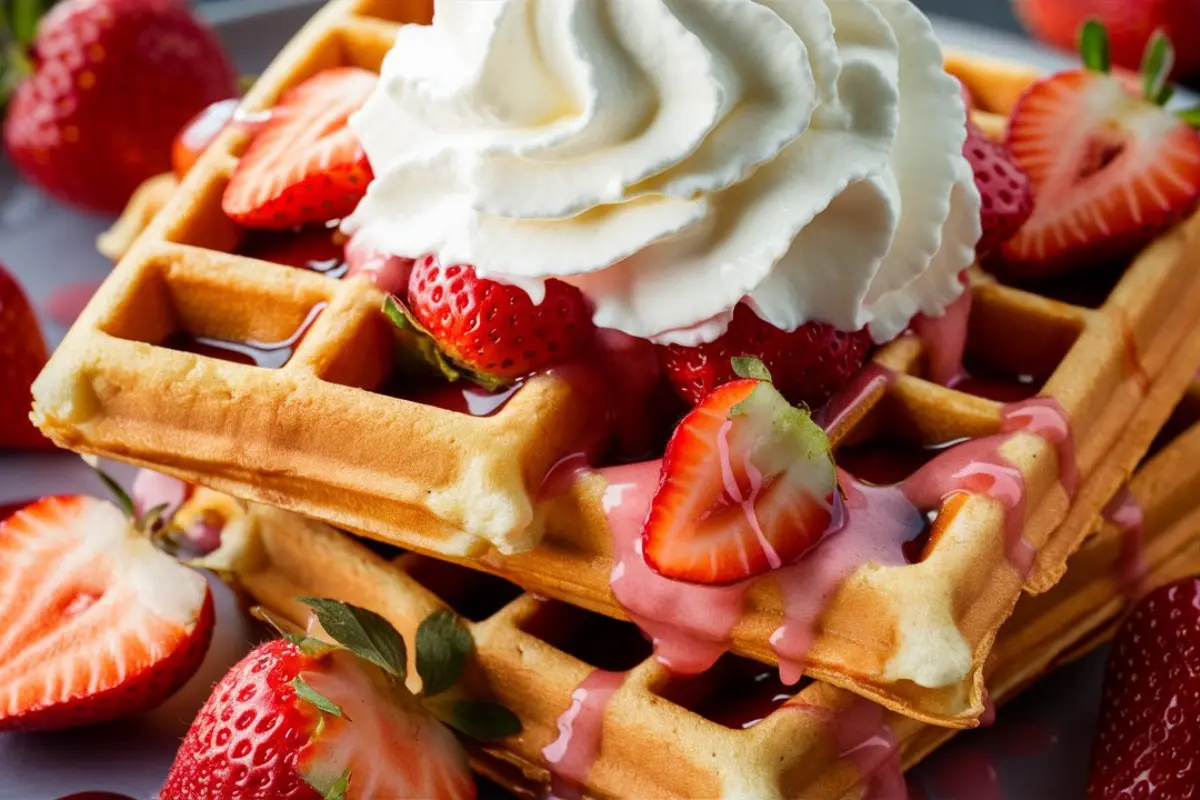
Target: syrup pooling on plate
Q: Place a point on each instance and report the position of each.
(268, 355)
(580, 731)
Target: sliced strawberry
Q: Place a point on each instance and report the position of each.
(809, 364)
(1004, 190)
(98, 623)
(492, 328)
(1149, 731)
(747, 486)
(1109, 170)
(305, 165)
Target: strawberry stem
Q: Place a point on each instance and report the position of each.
(1093, 47)
(1157, 63)
(1190, 115)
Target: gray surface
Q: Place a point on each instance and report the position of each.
(1038, 748)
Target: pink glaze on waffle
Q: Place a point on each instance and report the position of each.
(944, 340)
(580, 732)
(865, 740)
(1126, 513)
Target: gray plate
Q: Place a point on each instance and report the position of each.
(1038, 748)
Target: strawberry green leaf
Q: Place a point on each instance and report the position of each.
(312, 696)
(338, 790)
(120, 496)
(443, 646)
(1190, 115)
(483, 720)
(1157, 63)
(1165, 95)
(747, 367)
(419, 351)
(24, 19)
(362, 632)
(1093, 47)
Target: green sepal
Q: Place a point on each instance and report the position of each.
(362, 632)
(1165, 95)
(420, 352)
(1190, 115)
(313, 697)
(750, 368)
(120, 496)
(339, 788)
(482, 720)
(1157, 63)
(1093, 47)
(23, 19)
(443, 646)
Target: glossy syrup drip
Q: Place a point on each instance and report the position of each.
(865, 740)
(982, 381)
(689, 624)
(988, 718)
(580, 732)
(944, 340)
(268, 355)
(467, 398)
(313, 249)
(1131, 569)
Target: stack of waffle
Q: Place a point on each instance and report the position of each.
(896, 657)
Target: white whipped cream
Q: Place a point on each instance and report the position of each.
(673, 158)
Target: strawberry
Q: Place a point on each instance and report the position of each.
(302, 719)
(1149, 732)
(1007, 199)
(99, 623)
(1109, 170)
(22, 356)
(304, 165)
(200, 132)
(492, 328)
(809, 363)
(388, 273)
(747, 486)
(113, 81)
(1132, 22)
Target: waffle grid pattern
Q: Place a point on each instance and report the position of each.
(655, 743)
(316, 437)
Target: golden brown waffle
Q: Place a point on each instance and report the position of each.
(319, 437)
(662, 736)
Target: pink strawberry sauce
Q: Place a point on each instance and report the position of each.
(944, 340)
(691, 624)
(1126, 513)
(467, 398)
(865, 740)
(268, 355)
(580, 732)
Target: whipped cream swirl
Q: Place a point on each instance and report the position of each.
(672, 158)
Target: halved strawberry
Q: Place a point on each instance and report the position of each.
(301, 718)
(98, 623)
(1110, 170)
(747, 486)
(305, 165)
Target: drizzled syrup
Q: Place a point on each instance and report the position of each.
(268, 355)
(1125, 512)
(580, 732)
(467, 398)
(981, 380)
(313, 249)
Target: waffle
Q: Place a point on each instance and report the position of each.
(320, 435)
(664, 736)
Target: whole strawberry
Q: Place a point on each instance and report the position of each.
(809, 364)
(303, 719)
(1004, 190)
(492, 328)
(112, 82)
(22, 356)
(1149, 733)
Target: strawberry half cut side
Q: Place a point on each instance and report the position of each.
(1110, 170)
(305, 165)
(747, 486)
(98, 623)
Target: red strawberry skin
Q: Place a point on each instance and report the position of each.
(1004, 190)
(747, 486)
(1149, 734)
(305, 166)
(246, 741)
(1130, 25)
(83, 644)
(114, 82)
(808, 365)
(1109, 173)
(494, 328)
(22, 356)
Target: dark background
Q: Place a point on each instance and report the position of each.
(994, 13)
